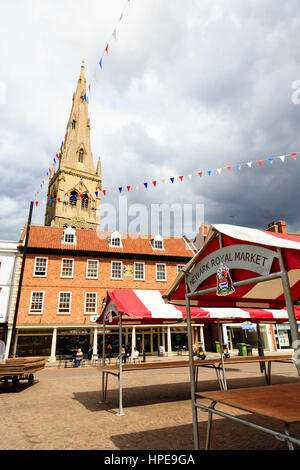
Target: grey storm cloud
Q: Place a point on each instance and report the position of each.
(187, 86)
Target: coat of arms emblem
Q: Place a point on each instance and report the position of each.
(224, 281)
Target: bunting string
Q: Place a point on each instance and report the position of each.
(197, 175)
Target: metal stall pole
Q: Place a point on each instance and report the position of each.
(290, 310)
(223, 380)
(103, 361)
(260, 348)
(120, 368)
(192, 376)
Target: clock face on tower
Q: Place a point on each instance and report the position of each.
(78, 222)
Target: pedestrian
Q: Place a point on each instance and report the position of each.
(90, 352)
(123, 355)
(108, 351)
(79, 356)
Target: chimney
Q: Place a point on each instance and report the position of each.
(272, 227)
(281, 226)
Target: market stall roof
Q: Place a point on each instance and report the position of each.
(248, 254)
(147, 306)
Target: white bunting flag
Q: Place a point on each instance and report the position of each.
(249, 164)
(282, 158)
(219, 170)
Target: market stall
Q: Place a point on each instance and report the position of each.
(240, 267)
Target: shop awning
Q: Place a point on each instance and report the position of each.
(147, 306)
(248, 255)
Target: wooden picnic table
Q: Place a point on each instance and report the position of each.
(280, 402)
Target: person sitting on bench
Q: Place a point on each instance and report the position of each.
(134, 356)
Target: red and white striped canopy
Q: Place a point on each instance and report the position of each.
(148, 306)
(247, 254)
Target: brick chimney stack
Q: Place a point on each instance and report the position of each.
(278, 227)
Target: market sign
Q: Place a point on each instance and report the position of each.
(248, 257)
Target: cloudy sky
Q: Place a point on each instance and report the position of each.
(187, 87)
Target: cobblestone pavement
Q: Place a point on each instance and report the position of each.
(62, 411)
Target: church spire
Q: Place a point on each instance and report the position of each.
(74, 192)
(76, 151)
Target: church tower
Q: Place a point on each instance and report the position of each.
(74, 191)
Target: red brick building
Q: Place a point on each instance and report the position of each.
(67, 273)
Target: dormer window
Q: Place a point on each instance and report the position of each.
(69, 236)
(115, 240)
(157, 242)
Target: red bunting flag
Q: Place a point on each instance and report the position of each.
(181, 178)
(293, 155)
(154, 183)
(57, 156)
(229, 168)
(200, 174)
(89, 87)
(81, 196)
(128, 188)
(106, 49)
(36, 203)
(260, 162)
(104, 191)
(58, 199)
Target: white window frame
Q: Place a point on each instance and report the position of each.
(115, 236)
(64, 313)
(34, 269)
(37, 292)
(161, 264)
(87, 269)
(179, 268)
(157, 239)
(69, 231)
(139, 278)
(111, 271)
(85, 297)
(61, 268)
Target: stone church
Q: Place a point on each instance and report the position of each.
(74, 192)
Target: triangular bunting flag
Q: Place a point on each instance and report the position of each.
(89, 87)
(36, 203)
(128, 188)
(121, 16)
(104, 192)
(181, 178)
(154, 183)
(146, 185)
(54, 160)
(57, 156)
(120, 189)
(239, 166)
(249, 164)
(163, 181)
(190, 176)
(229, 168)
(219, 170)
(84, 97)
(115, 34)
(282, 158)
(51, 200)
(58, 199)
(96, 192)
(172, 180)
(200, 174)
(106, 49)
(100, 63)
(260, 162)
(81, 196)
(271, 160)
(209, 172)
(293, 155)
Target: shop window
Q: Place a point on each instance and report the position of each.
(64, 302)
(67, 267)
(92, 269)
(37, 302)
(161, 272)
(40, 267)
(116, 270)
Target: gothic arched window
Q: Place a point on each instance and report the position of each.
(73, 198)
(80, 155)
(85, 201)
